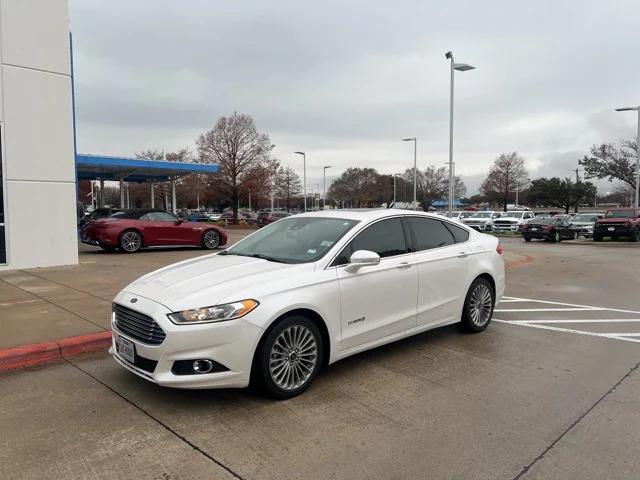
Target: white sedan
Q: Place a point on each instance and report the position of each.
(304, 292)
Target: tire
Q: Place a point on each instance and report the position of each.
(574, 236)
(555, 237)
(478, 306)
(275, 373)
(527, 239)
(597, 238)
(635, 236)
(130, 241)
(210, 239)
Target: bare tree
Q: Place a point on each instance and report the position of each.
(287, 184)
(507, 173)
(238, 148)
(433, 184)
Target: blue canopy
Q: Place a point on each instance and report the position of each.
(99, 167)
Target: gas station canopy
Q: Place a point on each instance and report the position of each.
(97, 167)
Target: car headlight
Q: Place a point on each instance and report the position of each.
(216, 313)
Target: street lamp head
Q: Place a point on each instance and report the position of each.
(299, 153)
(326, 166)
(412, 139)
(462, 67)
(626, 109)
(448, 55)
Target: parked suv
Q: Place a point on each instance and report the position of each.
(583, 223)
(512, 221)
(618, 222)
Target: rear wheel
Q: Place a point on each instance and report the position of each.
(527, 239)
(210, 239)
(555, 237)
(289, 358)
(478, 306)
(130, 241)
(635, 236)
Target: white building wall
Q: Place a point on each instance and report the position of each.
(37, 133)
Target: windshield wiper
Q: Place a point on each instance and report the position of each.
(264, 257)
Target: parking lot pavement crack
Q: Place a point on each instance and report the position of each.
(528, 467)
(159, 422)
(56, 305)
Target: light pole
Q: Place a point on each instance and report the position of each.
(395, 175)
(304, 175)
(636, 109)
(324, 186)
(415, 169)
(461, 67)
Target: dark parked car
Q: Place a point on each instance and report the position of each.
(265, 218)
(618, 222)
(550, 229)
(102, 212)
(132, 230)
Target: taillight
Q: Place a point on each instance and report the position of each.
(499, 249)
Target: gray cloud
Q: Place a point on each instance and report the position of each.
(346, 80)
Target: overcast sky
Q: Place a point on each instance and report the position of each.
(346, 80)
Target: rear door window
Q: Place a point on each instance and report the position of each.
(429, 233)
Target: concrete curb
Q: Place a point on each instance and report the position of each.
(37, 353)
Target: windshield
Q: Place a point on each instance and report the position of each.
(584, 218)
(466, 214)
(481, 215)
(620, 214)
(293, 239)
(514, 214)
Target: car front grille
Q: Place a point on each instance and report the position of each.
(137, 325)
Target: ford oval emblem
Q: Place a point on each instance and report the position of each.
(134, 300)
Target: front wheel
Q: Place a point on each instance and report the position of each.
(290, 357)
(527, 239)
(635, 236)
(478, 306)
(597, 238)
(555, 237)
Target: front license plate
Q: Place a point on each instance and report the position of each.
(534, 229)
(126, 349)
(611, 229)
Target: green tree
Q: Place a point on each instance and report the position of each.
(611, 162)
(287, 184)
(555, 192)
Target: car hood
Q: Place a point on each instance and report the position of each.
(477, 220)
(209, 280)
(582, 224)
(615, 220)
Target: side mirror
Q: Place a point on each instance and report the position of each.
(362, 258)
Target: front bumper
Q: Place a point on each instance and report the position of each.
(481, 227)
(230, 344)
(513, 227)
(613, 231)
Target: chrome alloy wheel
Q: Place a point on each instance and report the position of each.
(211, 239)
(480, 305)
(293, 357)
(131, 241)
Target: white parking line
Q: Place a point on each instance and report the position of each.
(546, 324)
(581, 309)
(590, 320)
(613, 336)
(570, 305)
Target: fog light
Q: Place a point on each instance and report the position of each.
(202, 366)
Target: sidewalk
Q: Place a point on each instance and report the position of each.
(59, 310)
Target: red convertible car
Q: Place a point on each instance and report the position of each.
(132, 230)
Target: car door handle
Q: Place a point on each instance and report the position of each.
(463, 254)
(403, 265)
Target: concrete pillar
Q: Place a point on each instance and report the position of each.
(173, 196)
(153, 195)
(102, 192)
(121, 193)
(128, 200)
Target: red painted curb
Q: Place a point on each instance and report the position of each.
(527, 259)
(37, 353)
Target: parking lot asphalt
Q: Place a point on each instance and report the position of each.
(541, 394)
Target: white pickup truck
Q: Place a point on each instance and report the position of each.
(512, 221)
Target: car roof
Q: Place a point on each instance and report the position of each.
(368, 214)
(138, 212)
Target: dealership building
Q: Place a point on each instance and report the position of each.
(38, 184)
(39, 167)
